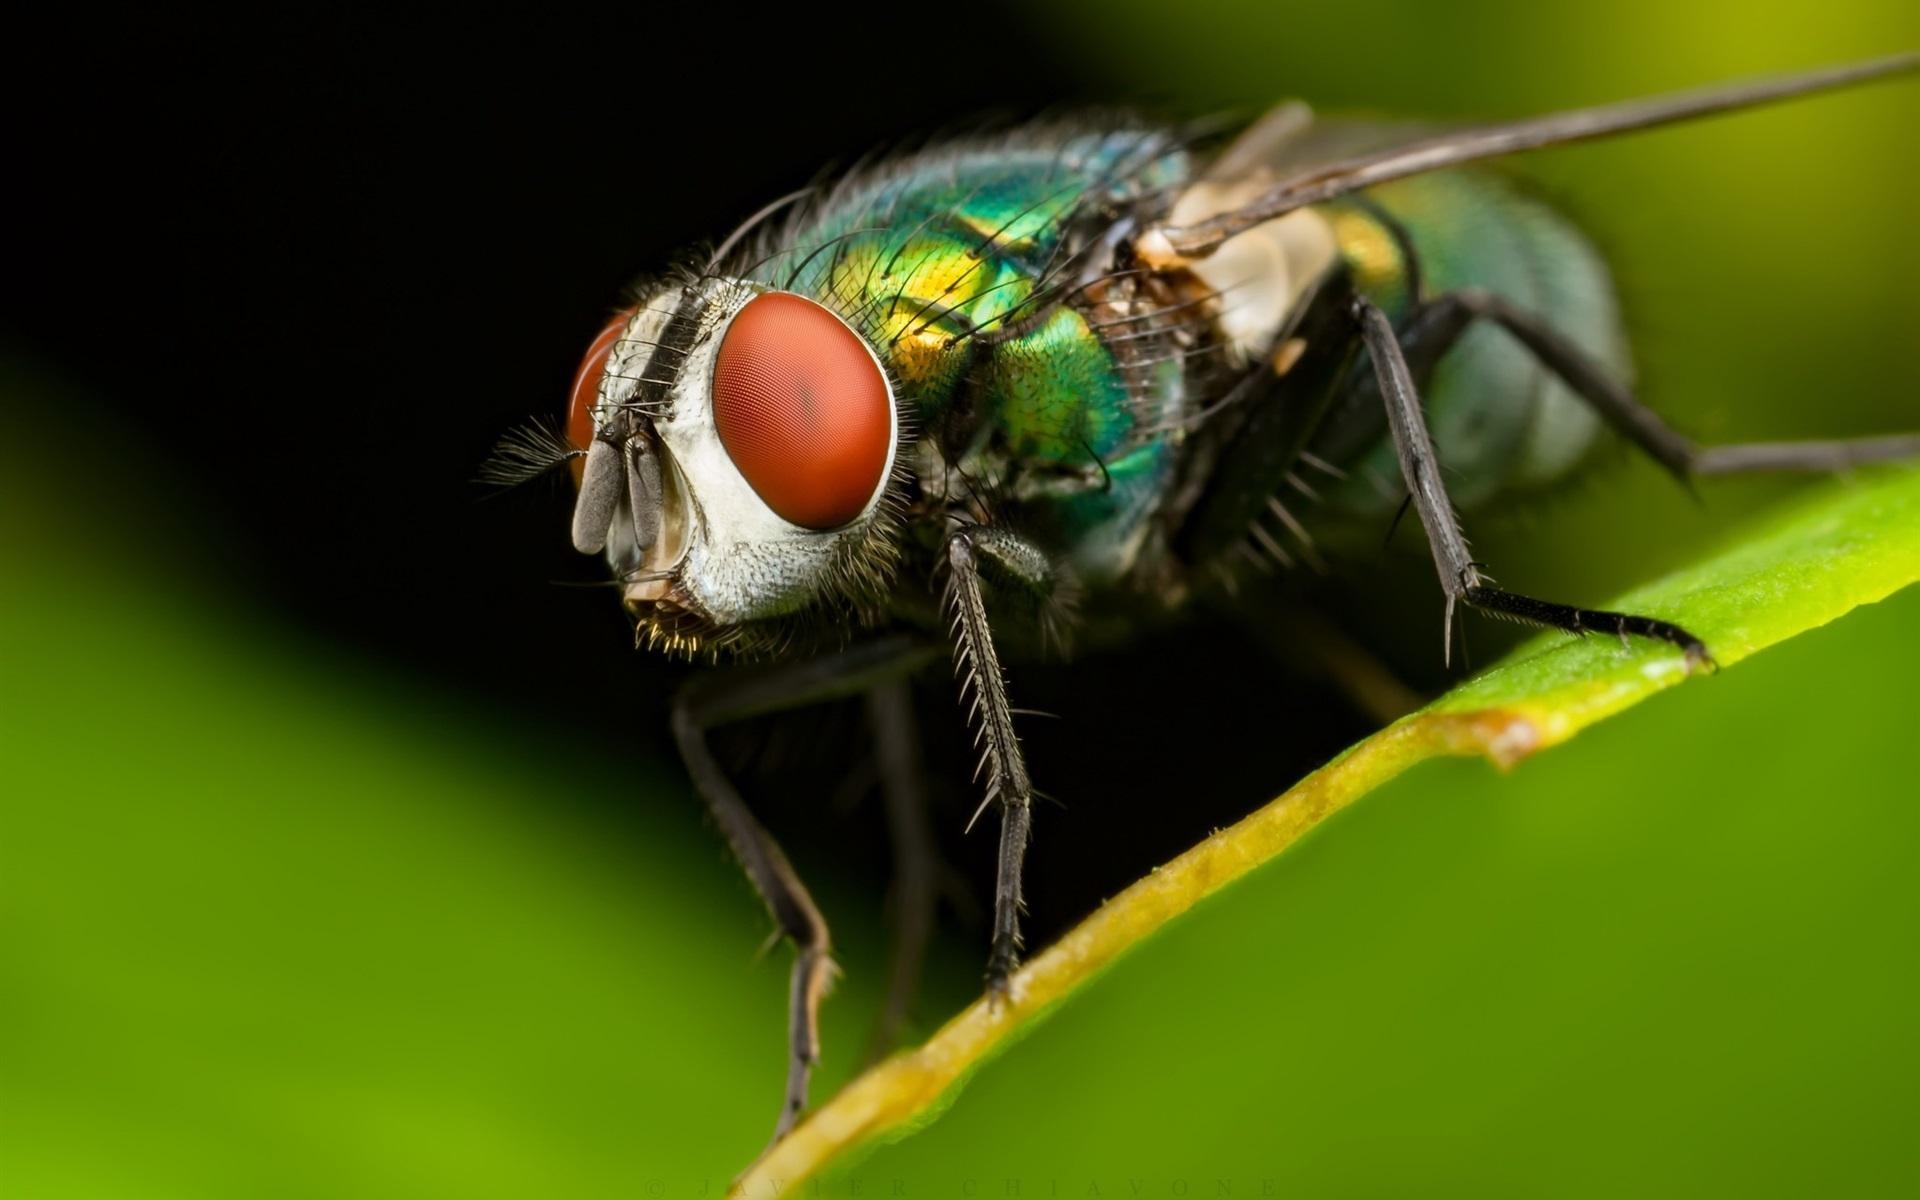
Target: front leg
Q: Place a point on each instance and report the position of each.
(1013, 562)
(720, 699)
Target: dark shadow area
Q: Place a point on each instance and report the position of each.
(317, 267)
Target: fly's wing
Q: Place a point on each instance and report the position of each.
(1184, 237)
(1287, 142)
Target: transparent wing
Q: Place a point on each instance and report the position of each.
(1300, 156)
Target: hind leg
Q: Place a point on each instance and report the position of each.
(1460, 575)
(1447, 316)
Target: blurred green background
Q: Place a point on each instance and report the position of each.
(287, 911)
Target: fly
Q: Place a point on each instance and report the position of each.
(1056, 378)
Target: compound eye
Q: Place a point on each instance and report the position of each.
(803, 410)
(586, 385)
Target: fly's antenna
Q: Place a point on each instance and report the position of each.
(524, 453)
(1165, 246)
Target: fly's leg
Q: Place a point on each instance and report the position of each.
(1459, 575)
(916, 870)
(773, 877)
(715, 700)
(1449, 315)
(1014, 563)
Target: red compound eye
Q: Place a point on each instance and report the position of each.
(802, 408)
(586, 387)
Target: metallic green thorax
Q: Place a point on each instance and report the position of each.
(954, 265)
(1054, 392)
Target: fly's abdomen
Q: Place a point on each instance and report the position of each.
(1500, 421)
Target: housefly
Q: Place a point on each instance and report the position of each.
(1051, 379)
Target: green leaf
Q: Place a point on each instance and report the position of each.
(273, 924)
(1845, 547)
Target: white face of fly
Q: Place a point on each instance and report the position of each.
(771, 467)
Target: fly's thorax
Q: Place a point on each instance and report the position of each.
(755, 435)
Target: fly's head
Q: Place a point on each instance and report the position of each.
(740, 449)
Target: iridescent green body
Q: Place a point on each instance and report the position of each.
(941, 261)
(968, 379)
(1080, 399)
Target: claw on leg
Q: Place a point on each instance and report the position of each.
(813, 972)
(709, 701)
